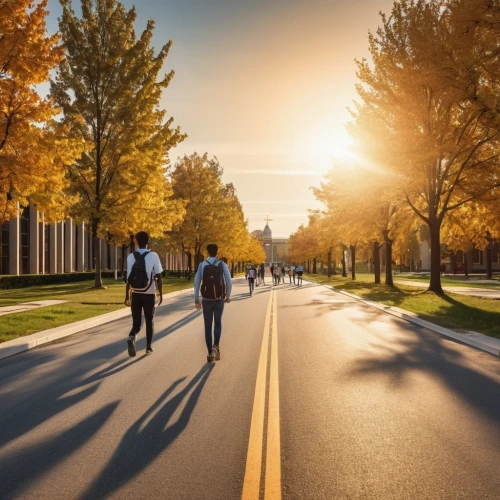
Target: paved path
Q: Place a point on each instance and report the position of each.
(28, 306)
(483, 293)
(360, 405)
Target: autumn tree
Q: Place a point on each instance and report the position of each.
(109, 90)
(213, 211)
(438, 143)
(33, 154)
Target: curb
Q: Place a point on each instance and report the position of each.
(478, 340)
(21, 344)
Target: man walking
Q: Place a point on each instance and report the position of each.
(143, 273)
(214, 278)
(262, 272)
(251, 276)
(277, 274)
(300, 271)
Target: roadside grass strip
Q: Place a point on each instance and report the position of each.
(453, 311)
(82, 302)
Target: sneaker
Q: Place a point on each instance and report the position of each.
(131, 346)
(216, 351)
(211, 356)
(149, 350)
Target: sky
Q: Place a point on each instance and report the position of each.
(264, 86)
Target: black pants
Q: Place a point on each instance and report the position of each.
(146, 302)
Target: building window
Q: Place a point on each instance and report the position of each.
(477, 257)
(5, 248)
(25, 241)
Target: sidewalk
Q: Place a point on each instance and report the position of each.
(482, 293)
(28, 306)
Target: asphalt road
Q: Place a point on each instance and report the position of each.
(368, 406)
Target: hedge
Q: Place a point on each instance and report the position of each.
(25, 280)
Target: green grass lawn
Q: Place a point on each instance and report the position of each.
(448, 281)
(83, 303)
(451, 310)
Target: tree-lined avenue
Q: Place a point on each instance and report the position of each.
(370, 407)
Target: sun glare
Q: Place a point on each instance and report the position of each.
(322, 155)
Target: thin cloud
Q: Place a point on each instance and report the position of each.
(274, 202)
(277, 216)
(265, 171)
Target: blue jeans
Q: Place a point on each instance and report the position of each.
(212, 312)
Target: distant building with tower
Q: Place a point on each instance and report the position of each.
(276, 248)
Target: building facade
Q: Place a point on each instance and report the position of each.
(276, 249)
(30, 246)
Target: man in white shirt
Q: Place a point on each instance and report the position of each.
(143, 299)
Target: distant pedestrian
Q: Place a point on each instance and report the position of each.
(277, 274)
(143, 274)
(215, 280)
(300, 272)
(251, 276)
(283, 272)
(262, 273)
(289, 272)
(293, 273)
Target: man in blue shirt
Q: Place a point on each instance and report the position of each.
(212, 307)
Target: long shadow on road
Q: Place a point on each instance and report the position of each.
(22, 468)
(424, 351)
(47, 393)
(141, 445)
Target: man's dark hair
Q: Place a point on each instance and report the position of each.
(142, 238)
(212, 250)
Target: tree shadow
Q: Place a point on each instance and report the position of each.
(430, 354)
(144, 442)
(470, 317)
(48, 393)
(25, 467)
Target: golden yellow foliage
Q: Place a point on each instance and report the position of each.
(33, 150)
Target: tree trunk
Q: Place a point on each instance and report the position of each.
(388, 259)
(489, 263)
(453, 262)
(435, 232)
(308, 266)
(466, 268)
(232, 269)
(314, 265)
(376, 260)
(124, 264)
(330, 264)
(97, 256)
(344, 270)
(334, 267)
(353, 261)
(189, 263)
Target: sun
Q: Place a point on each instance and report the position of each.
(322, 153)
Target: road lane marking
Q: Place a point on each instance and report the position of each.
(273, 450)
(253, 470)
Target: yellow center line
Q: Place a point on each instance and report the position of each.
(253, 471)
(273, 450)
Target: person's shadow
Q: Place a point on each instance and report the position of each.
(141, 445)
